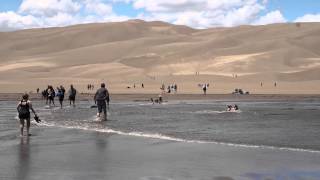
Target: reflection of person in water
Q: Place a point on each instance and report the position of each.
(24, 154)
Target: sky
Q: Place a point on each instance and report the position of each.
(24, 14)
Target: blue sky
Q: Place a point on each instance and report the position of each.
(293, 9)
(22, 14)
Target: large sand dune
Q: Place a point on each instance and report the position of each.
(153, 53)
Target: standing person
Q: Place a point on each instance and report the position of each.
(23, 108)
(72, 95)
(142, 85)
(204, 88)
(38, 90)
(51, 95)
(60, 94)
(47, 95)
(100, 98)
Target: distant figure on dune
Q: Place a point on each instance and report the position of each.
(142, 85)
(275, 84)
(261, 84)
(38, 90)
(100, 98)
(72, 95)
(23, 109)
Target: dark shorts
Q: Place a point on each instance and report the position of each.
(61, 98)
(51, 98)
(72, 98)
(24, 116)
(102, 106)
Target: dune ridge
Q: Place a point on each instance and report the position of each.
(135, 52)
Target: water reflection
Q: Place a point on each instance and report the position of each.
(23, 166)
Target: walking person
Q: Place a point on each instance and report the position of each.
(51, 95)
(23, 109)
(60, 95)
(204, 88)
(72, 95)
(100, 98)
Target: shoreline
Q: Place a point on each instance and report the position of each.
(174, 97)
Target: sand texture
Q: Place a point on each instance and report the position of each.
(134, 52)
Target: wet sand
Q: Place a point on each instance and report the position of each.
(55, 153)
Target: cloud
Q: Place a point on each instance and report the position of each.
(309, 18)
(51, 13)
(201, 13)
(98, 7)
(11, 21)
(48, 8)
(271, 17)
(194, 13)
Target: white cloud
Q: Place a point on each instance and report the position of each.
(97, 7)
(11, 20)
(48, 8)
(309, 18)
(194, 13)
(271, 17)
(51, 13)
(201, 13)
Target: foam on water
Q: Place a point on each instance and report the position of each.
(87, 127)
(215, 112)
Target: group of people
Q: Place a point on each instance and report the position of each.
(172, 88)
(50, 93)
(159, 100)
(232, 108)
(90, 87)
(101, 99)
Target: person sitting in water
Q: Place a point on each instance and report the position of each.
(160, 99)
(229, 107)
(235, 107)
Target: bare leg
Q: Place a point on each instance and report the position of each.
(21, 126)
(28, 127)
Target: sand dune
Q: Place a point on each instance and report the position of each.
(153, 53)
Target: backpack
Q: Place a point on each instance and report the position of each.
(23, 109)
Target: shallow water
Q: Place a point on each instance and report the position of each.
(291, 125)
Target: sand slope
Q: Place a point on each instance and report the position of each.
(153, 53)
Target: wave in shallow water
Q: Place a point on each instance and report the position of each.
(215, 112)
(164, 137)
